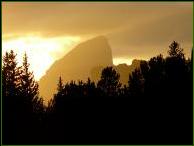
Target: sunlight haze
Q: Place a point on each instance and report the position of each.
(48, 30)
(42, 52)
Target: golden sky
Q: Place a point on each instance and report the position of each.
(48, 30)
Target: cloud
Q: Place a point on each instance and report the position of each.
(133, 28)
(68, 18)
(42, 52)
(148, 38)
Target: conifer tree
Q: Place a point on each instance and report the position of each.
(109, 82)
(60, 85)
(175, 50)
(136, 83)
(28, 86)
(10, 74)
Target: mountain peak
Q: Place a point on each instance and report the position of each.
(77, 64)
(93, 45)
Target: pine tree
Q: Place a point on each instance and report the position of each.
(12, 109)
(58, 97)
(38, 107)
(136, 83)
(109, 82)
(175, 50)
(11, 74)
(175, 63)
(28, 85)
(60, 85)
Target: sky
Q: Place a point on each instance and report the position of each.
(47, 31)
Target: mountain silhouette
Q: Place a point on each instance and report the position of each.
(77, 64)
(123, 69)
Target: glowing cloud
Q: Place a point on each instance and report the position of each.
(42, 52)
(121, 60)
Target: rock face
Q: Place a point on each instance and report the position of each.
(123, 69)
(76, 65)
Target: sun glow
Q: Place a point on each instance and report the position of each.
(121, 60)
(41, 52)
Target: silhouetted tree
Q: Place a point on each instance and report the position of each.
(175, 63)
(90, 89)
(20, 90)
(136, 83)
(159, 92)
(10, 82)
(175, 50)
(28, 85)
(11, 74)
(144, 68)
(38, 106)
(60, 85)
(156, 74)
(109, 82)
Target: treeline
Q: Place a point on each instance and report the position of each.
(22, 107)
(154, 108)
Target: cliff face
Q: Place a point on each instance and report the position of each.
(123, 69)
(76, 65)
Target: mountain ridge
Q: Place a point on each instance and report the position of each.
(85, 61)
(77, 64)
